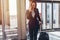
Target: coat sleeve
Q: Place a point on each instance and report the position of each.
(38, 15)
(27, 14)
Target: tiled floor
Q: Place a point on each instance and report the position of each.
(52, 36)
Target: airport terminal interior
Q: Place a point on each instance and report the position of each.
(14, 25)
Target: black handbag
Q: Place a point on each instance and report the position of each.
(43, 36)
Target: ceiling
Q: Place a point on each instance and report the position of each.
(48, 0)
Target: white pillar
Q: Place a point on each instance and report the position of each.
(23, 20)
(19, 19)
(21, 5)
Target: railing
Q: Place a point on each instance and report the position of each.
(9, 34)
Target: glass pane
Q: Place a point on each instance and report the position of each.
(39, 7)
(56, 15)
(43, 16)
(11, 21)
(49, 15)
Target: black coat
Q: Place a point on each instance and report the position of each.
(33, 22)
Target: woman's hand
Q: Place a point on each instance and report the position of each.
(40, 22)
(30, 9)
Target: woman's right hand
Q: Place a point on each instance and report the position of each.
(30, 9)
(40, 22)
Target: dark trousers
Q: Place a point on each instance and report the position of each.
(33, 31)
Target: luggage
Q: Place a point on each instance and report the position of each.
(43, 36)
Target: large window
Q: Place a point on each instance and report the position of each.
(50, 16)
(13, 13)
(11, 32)
(9, 20)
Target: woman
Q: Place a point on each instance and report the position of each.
(34, 18)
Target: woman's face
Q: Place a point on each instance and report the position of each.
(33, 5)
